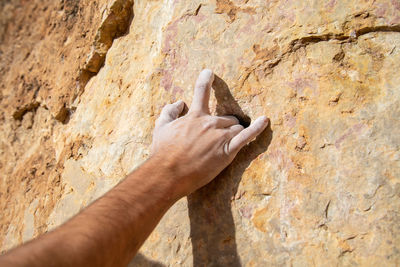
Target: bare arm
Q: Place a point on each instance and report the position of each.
(187, 153)
(111, 230)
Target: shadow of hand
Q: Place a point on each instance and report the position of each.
(212, 228)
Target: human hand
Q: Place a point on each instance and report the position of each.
(198, 146)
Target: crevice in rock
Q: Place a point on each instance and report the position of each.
(230, 9)
(312, 39)
(64, 114)
(296, 44)
(344, 252)
(196, 12)
(20, 112)
(327, 209)
(383, 28)
(114, 25)
(339, 57)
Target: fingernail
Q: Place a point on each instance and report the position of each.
(207, 71)
(207, 74)
(264, 119)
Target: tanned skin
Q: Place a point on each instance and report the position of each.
(187, 153)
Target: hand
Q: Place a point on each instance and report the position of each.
(198, 146)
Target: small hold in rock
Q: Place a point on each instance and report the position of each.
(244, 120)
(301, 143)
(63, 115)
(19, 114)
(339, 56)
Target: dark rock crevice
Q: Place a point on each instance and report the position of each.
(115, 25)
(269, 64)
(20, 112)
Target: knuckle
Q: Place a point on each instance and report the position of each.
(223, 135)
(226, 135)
(233, 119)
(225, 150)
(195, 113)
(209, 123)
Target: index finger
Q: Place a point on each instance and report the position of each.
(202, 91)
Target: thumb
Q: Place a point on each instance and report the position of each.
(170, 113)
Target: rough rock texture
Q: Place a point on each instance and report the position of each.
(320, 187)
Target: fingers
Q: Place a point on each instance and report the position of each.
(248, 134)
(202, 91)
(226, 121)
(231, 132)
(170, 112)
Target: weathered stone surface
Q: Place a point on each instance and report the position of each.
(320, 187)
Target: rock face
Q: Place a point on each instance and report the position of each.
(82, 83)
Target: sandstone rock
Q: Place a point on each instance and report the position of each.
(320, 187)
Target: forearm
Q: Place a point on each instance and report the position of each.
(112, 229)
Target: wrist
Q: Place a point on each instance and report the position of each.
(167, 171)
